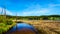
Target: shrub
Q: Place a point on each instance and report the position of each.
(9, 22)
(1, 30)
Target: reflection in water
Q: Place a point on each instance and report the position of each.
(22, 28)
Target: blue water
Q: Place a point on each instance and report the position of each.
(19, 26)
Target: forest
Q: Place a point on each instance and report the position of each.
(43, 17)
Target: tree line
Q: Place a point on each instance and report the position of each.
(43, 17)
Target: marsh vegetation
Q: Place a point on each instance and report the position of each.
(37, 21)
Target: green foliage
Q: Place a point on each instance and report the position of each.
(9, 22)
(3, 27)
(1, 30)
(2, 24)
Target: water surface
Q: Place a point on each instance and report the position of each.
(22, 26)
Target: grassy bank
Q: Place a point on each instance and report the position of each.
(5, 28)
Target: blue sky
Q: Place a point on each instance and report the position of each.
(31, 7)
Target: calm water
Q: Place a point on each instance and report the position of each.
(20, 26)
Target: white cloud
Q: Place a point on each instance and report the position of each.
(7, 11)
(53, 5)
(36, 10)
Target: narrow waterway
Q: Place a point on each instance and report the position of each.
(22, 28)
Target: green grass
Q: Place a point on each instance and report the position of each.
(4, 27)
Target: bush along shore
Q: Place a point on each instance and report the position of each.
(4, 27)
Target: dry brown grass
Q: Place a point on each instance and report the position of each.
(45, 26)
